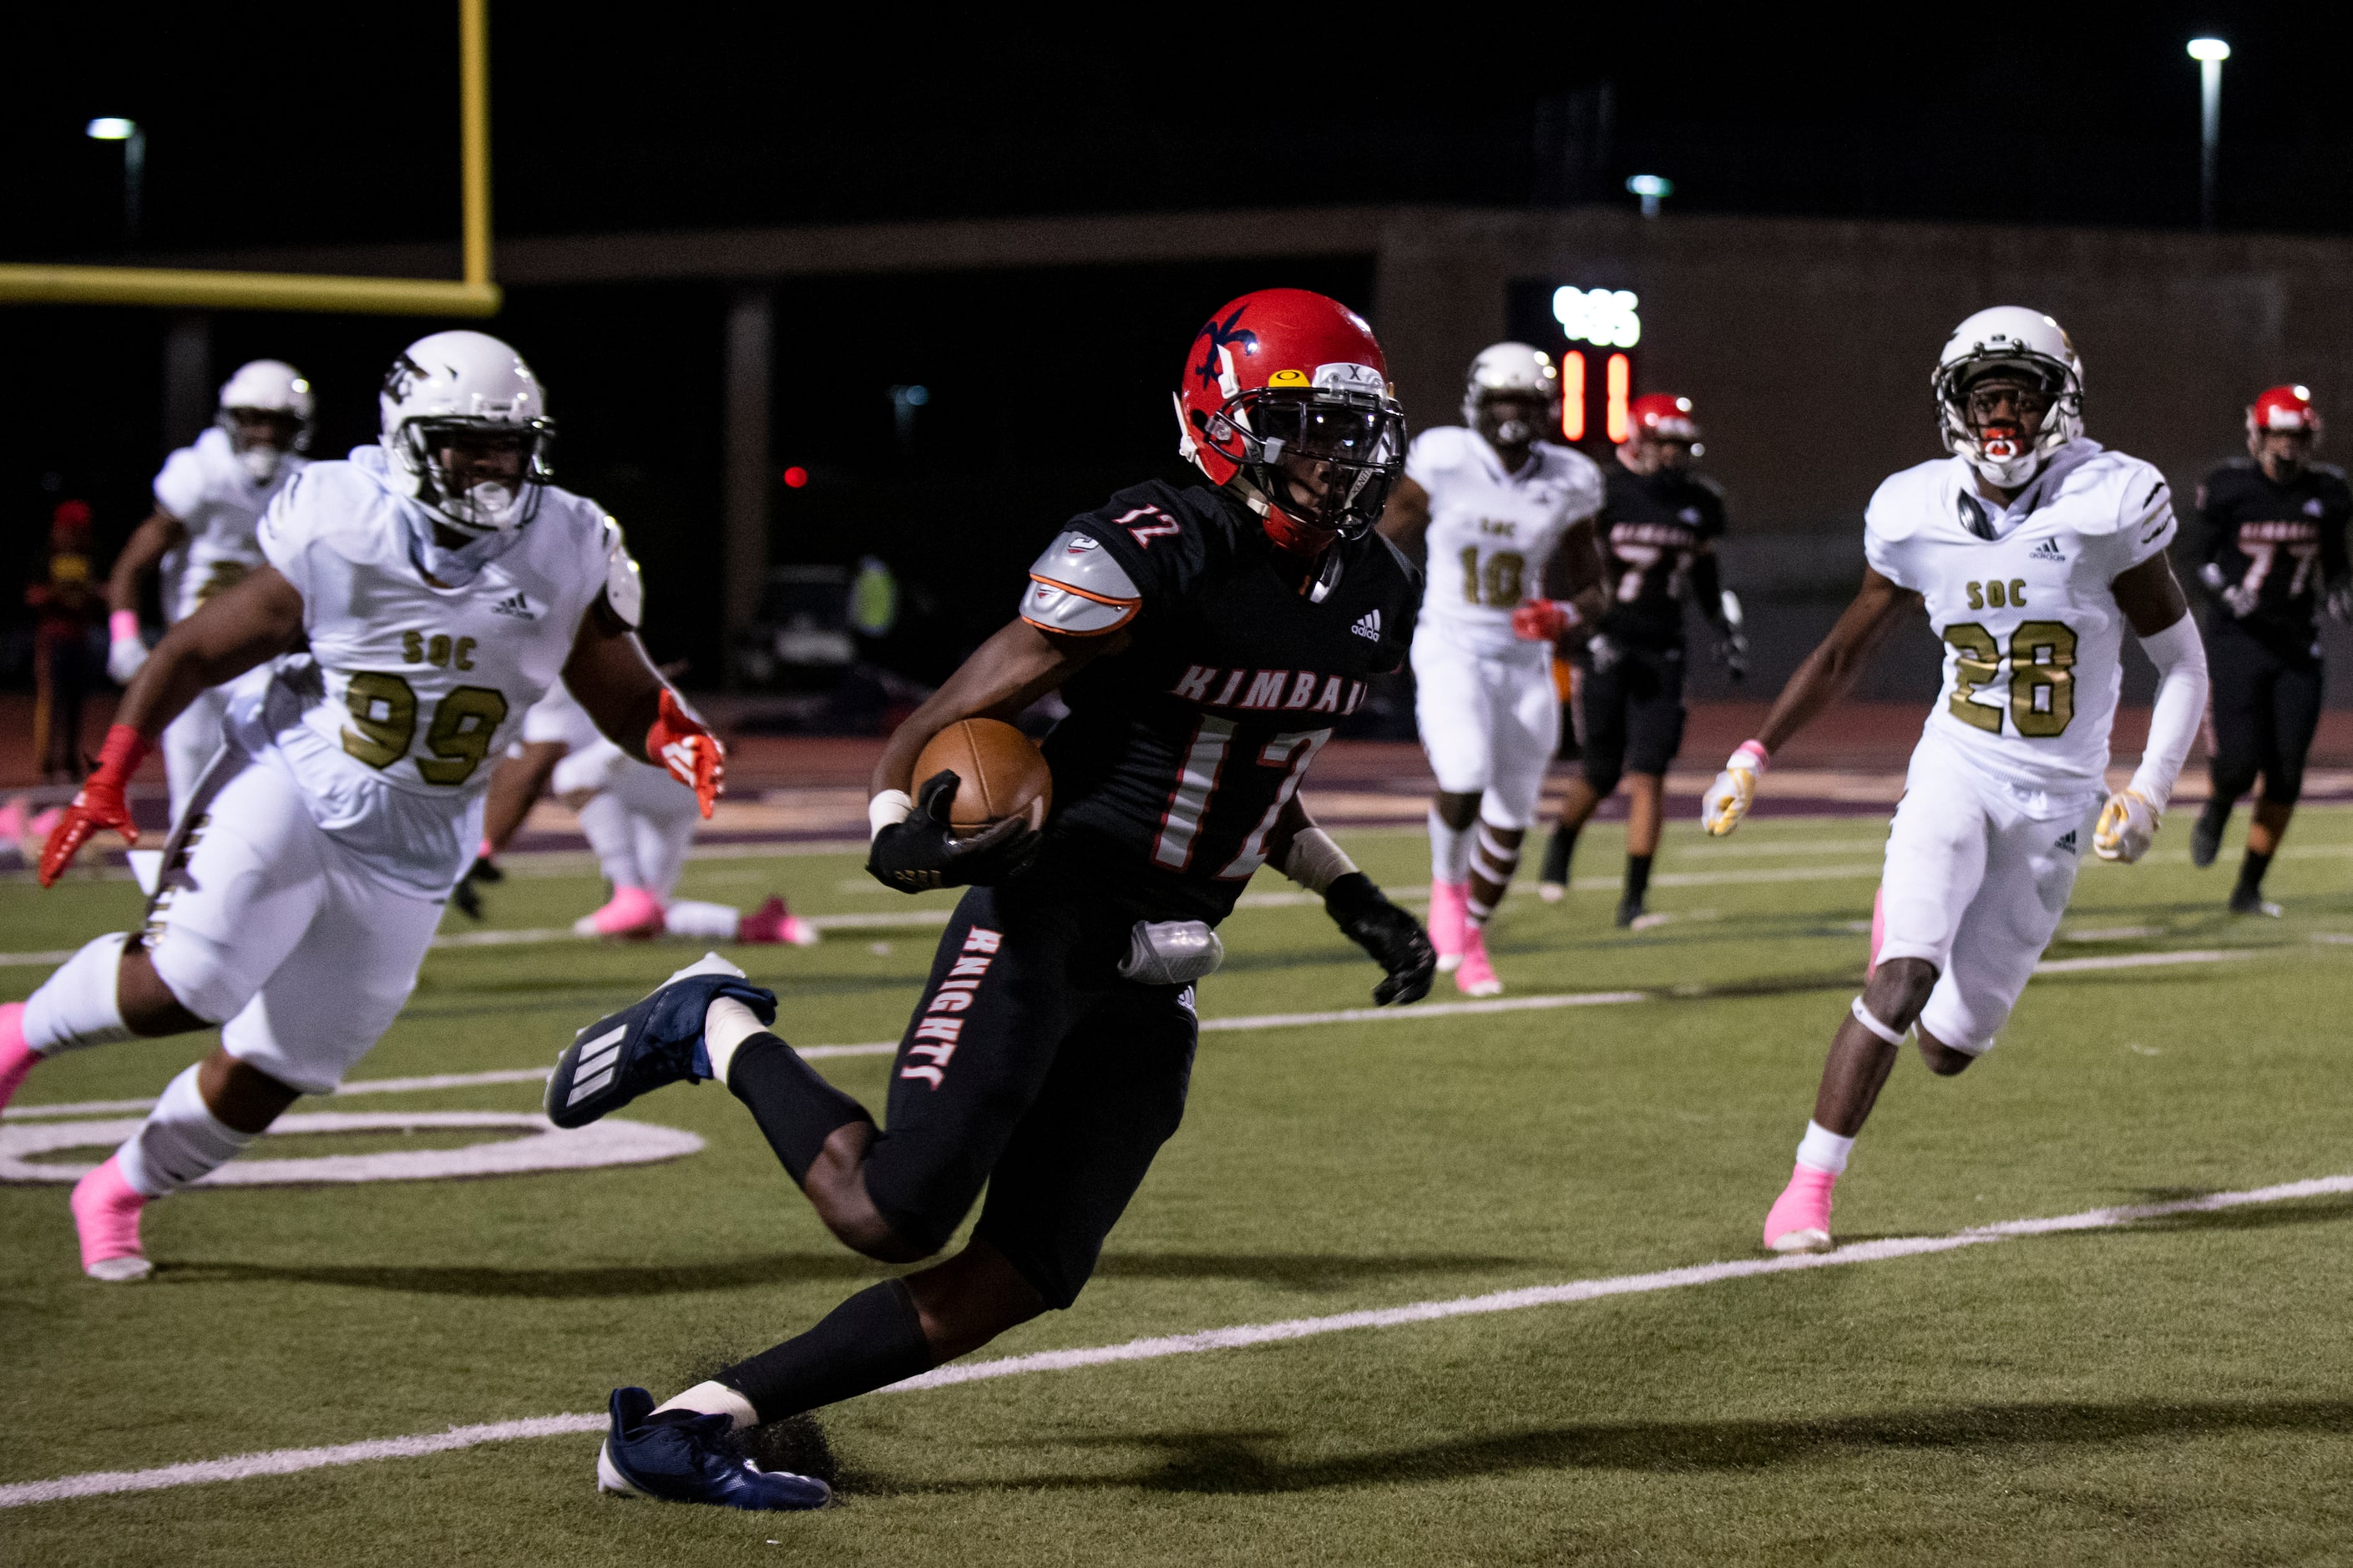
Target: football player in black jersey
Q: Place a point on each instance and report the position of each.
(2275, 552)
(1208, 640)
(1654, 543)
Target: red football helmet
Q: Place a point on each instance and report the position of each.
(1284, 374)
(1661, 415)
(2283, 408)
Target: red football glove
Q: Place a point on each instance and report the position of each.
(100, 803)
(682, 744)
(1544, 620)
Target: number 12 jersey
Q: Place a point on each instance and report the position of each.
(2021, 596)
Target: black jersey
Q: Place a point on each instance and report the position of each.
(1652, 528)
(1180, 749)
(2285, 542)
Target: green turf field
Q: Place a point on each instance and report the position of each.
(2180, 1391)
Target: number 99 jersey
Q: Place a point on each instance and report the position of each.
(412, 687)
(1491, 532)
(2023, 598)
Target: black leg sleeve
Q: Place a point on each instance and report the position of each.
(870, 1341)
(796, 1110)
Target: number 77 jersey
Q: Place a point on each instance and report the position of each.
(2023, 599)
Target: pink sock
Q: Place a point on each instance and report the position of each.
(16, 1057)
(106, 1212)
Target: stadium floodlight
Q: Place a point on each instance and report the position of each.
(1652, 188)
(110, 128)
(2209, 54)
(114, 128)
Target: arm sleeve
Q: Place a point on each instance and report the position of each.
(2180, 661)
(1707, 588)
(180, 488)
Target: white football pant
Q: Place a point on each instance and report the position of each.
(1975, 879)
(1489, 725)
(639, 825)
(264, 921)
(189, 742)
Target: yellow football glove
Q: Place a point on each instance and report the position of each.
(1729, 798)
(2127, 825)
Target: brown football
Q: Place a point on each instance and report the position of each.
(1000, 773)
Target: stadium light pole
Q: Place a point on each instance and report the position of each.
(2209, 54)
(1653, 189)
(110, 128)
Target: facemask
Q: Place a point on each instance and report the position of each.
(260, 462)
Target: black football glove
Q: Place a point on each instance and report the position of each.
(1732, 648)
(923, 852)
(1393, 937)
(465, 894)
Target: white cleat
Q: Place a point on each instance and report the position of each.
(1801, 1241)
(120, 1270)
(1552, 892)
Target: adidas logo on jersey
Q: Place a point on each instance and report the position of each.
(516, 605)
(1369, 626)
(2047, 551)
(2068, 843)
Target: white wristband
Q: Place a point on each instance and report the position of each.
(891, 807)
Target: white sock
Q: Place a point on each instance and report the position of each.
(1449, 851)
(691, 917)
(1823, 1150)
(76, 1006)
(180, 1141)
(715, 1398)
(725, 1027)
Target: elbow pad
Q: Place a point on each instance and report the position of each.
(1078, 588)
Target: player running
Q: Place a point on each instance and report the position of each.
(1207, 640)
(638, 820)
(2274, 553)
(436, 584)
(210, 498)
(1492, 503)
(1653, 542)
(2032, 549)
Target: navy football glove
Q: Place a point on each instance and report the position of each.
(925, 852)
(1393, 937)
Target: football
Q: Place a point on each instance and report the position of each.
(1000, 773)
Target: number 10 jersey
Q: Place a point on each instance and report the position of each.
(2023, 598)
(1490, 533)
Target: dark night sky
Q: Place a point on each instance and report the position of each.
(297, 126)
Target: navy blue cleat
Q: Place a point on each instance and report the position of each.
(640, 1049)
(681, 1457)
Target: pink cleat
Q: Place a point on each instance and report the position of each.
(16, 1057)
(1450, 912)
(1475, 976)
(633, 912)
(772, 923)
(1800, 1217)
(106, 1212)
(13, 825)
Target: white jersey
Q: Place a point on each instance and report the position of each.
(387, 725)
(1490, 533)
(205, 487)
(2032, 634)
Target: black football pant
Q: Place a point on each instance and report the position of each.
(1030, 1068)
(1633, 714)
(2266, 707)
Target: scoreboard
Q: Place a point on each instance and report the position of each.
(1594, 333)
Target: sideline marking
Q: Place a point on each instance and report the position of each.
(290, 1462)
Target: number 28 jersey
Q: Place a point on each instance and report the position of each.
(2032, 633)
(389, 726)
(1491, 532)
(1181, 748)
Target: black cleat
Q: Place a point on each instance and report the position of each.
(2205, 838)
(2245, 900)
(640, 1049)
(1629, 911)
(681, 1457)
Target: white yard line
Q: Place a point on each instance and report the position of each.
(292, 1461)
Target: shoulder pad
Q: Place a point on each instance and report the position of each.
(1079, 588)
(625, 588)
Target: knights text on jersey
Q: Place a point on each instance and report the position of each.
(2285, 542)
(214, 497)
(1652, 527)
(1182, 748)
(2032, 633)
(410, 691)
(1491, 532)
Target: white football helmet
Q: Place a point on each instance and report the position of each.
(2022, 342)
(270, 386)
(1513, 368)
(461, 381)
